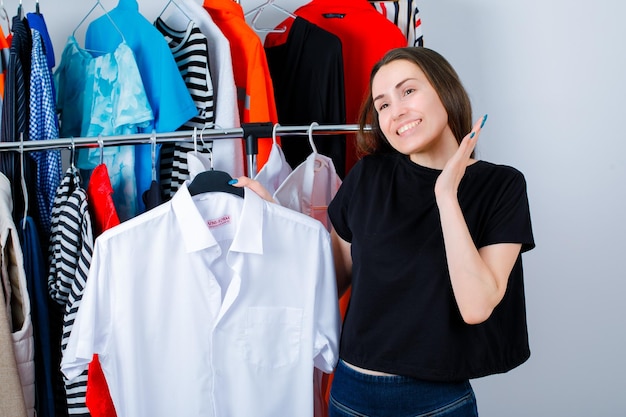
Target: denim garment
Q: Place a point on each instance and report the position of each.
(354, 394)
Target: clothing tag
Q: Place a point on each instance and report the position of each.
(218, 222)
(334, 15)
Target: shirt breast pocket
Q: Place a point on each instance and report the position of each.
(272, 336)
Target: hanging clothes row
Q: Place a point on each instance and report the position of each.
(181, 135)
(202, 67)
(207, 94)
(28, 112)
(70, 266)
(178, 72)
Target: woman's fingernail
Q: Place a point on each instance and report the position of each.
(233, 181)
(483, 122)
(472, 135)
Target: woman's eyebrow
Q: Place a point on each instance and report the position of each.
(378, 97)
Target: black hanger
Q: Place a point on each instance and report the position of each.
(210, 181)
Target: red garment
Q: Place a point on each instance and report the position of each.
(5, 46)
(100, 197)
(365, 35)
(98, 397)
(255, 92)
(103, 217)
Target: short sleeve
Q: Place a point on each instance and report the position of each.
(509, 221)
(92, 326)
(327, 321)
(339, 207)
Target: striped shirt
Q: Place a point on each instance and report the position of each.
(15, 113)
(70, 251)
(190, 51)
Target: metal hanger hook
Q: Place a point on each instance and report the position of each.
(73, 154)
(101, 146)
(276, 126)
(205, 147)
(310, 133)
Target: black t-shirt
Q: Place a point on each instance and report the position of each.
(402, 317)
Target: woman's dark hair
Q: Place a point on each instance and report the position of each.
(444, 80)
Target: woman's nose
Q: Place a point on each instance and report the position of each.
(397, 110)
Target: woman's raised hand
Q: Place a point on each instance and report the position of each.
(450, 178)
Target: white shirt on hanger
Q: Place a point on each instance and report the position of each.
(275, 171)
(310, 188)
(210, 305)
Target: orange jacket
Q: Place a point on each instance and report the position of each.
(255, 92)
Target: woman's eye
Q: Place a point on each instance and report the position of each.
(408, 91)
(382, 106)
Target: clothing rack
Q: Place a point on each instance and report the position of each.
(250, 131)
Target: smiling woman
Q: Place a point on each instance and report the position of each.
(400, 108)
(430, 241)
(400, 76)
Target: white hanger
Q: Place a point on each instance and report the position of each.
(205, 147)
(257, 12)
(310, 133)
(274, 133)
(106, 12)
(197, 161)
(195, 141)
(319, 162)
(177, 6)
(5, 15)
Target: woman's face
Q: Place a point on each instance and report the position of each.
(411, 115)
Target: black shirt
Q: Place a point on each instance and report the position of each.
(402, 317)
(307, 74)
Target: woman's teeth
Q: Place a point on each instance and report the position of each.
(408, 126)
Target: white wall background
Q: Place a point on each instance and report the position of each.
(551, 74)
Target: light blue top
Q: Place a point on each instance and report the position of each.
(104, 95)
(169, 98)
(70, 78)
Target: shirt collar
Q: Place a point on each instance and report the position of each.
(197, 236)
(249, 236)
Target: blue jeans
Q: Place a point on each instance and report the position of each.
(354, 394)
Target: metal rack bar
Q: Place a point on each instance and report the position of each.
(146, 138)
